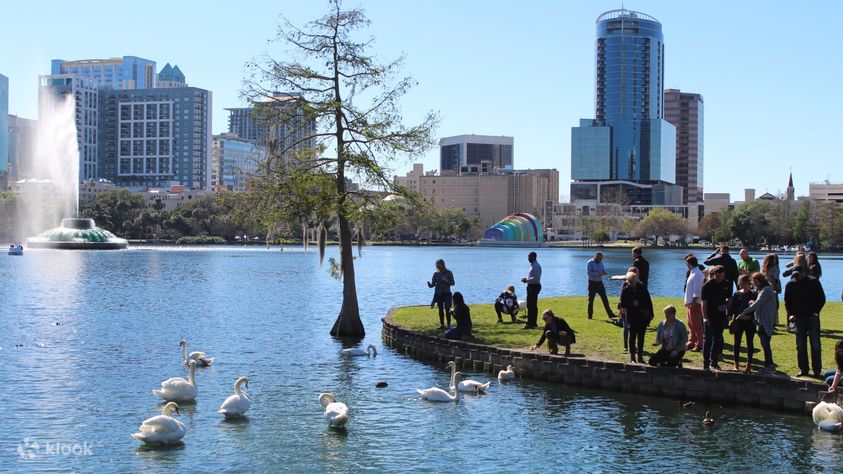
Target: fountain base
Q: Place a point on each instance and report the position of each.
(77, 234)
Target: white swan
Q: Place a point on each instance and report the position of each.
(356, 351)
(201, 359)
(238, 404)
(162, 429)
(336, 413)
(505, 375)
(828, 416)
(436, 394)
(472, 386)
(177, 389)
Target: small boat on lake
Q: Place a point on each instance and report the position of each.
(16, 249)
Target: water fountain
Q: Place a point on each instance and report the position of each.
(57, 163)
(77, 234)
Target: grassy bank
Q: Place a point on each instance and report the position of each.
(600, 339)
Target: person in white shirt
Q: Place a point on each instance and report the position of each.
(693, 303)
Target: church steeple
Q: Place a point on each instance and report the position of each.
(790, 190)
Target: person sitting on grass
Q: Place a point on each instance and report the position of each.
(463, 317)
(832, 378)
(557, 332)
(507, 303)
(672, 335)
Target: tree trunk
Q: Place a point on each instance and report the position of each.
(348, 324)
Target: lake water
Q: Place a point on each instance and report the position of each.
(266, 314)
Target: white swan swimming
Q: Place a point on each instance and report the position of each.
(238, 404)
(177, 389)
(356, 351)
(436, 394)
(162, 429)
(336, 413)
(505, 375)
(472, 386)
(828, 416)
(201, 359)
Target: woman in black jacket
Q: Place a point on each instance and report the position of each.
(636, 303)
(463, 316)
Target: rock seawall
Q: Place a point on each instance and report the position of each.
(768, 392)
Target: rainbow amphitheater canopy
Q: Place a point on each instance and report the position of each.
(518, 227)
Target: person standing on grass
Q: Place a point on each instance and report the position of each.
(722, 258)
(766, 311)
(804, 298)
(672, 336)
(743, 323)
(442, 281)
(596, 272)
(636, 302)
(748, 264)
(534, 286)
(716, 294)
(641, 263)
(693, 303)
(814, 268)
(624, 323)
(770, 269)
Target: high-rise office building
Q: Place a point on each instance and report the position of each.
(475, 154)
(21, 148)
(54, 88)
(170, 77)
(280, 118)
(234, 161)
(128, 72)
(685, 111)
(156, 137)
(4, 132)
(627, 150)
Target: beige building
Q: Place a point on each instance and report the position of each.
(490, 196)
(826, 192)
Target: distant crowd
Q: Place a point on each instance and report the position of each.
(720, 293)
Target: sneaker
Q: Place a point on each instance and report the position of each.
(716, 366)
(801, 374)
(500, 321)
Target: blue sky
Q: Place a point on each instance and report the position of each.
(769, 72)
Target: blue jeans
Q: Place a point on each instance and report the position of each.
(765, 345)
(829, 376)
(625, 332)
(712, 342)
(808, 327)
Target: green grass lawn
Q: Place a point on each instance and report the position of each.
(598, 338)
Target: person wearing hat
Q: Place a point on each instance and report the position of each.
(804, 298)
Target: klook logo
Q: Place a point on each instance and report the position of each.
(29, 448)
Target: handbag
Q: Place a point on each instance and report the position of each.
(733, 326)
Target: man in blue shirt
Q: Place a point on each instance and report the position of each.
(596, 272)
(534, 286)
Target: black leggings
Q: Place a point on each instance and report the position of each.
(747, 327)
(637, 330)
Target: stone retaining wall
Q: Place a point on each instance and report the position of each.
(777, 393)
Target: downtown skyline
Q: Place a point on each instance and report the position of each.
(495, 69)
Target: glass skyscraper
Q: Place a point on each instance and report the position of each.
(628, 138)
(128, 72)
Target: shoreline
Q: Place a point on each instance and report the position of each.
(782, 393)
